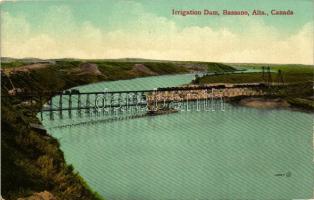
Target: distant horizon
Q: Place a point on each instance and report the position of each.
(147, 59)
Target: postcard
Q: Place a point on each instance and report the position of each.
(157, 100)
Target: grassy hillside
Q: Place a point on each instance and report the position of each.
(12, 64)
(32, 160)
(290, 73)
(218, 67)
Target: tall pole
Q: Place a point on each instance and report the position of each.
(70, 105)
(50, 109)
(269, 76)
(79, 104)
(280, 77)
(60, 105)
(103, 103)
(87, 103)
(40, 104)
(95, 104)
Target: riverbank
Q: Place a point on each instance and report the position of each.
(295, 92)
(264, 103)
(267, 102)
(31, 159)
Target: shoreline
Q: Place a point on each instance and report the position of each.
(269, 103)
(264, 103)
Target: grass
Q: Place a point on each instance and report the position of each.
(232, 78)
(218, 67)
(295, 68)
(165, 68)
(290, 73)
(12, 64)
(307, 104)
(289, 77)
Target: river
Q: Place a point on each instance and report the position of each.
(239, 153)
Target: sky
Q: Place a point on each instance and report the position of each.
(95, 29)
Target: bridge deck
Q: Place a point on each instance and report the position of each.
(182, 88)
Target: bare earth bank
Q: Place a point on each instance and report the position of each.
(264, 103)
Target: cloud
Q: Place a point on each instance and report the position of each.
(151, 36)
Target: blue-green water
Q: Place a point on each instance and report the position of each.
(233, 154)
(147, 83)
